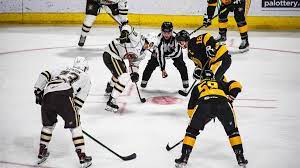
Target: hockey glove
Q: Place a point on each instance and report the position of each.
(134, 77)
(230, 98)
(39, 94)
(206, 21)
(197, 73)
(164, 74)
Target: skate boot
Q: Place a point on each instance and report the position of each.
(111, 105)
(182, 161)
(144, 83)
(85, 161)
(43, 154)
(221, 39)
(244, 45)
(108, 90)
(81, 40)
(242, 162)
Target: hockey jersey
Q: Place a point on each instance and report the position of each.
(167, 49)
(64, 79)
(120, 51)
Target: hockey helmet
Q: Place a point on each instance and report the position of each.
(81, 63)
(167, 27)
(182, 35)
(125, 33)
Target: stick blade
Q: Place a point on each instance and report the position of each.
(129, 157)
(168, 147)
(182, 93)
(143, 100)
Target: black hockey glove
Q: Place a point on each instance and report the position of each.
(206, 21)
(134, 77)
(39, 94)
(197, 73)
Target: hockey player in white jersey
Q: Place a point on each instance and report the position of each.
(119, 10)
(63, 92)
(131, 46)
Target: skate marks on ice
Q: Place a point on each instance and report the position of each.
(233, 48)
(90, 51)
(93, 48)
(7, 164)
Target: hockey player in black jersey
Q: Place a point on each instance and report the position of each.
(240, 9)
(63, 92)
(211, 98)
(119, 10)
(206, 53)
(166, 47)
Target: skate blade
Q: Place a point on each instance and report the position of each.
(40, 161)
(180, 165)
(85, 165)
(110, 109)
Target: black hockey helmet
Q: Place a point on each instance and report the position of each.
(183, 35)
(167, 27)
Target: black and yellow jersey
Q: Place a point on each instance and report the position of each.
(197, 49)
(212, 90)
(197, 52)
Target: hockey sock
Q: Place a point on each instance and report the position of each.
(46, 135)
(78, 139)
(87, 24)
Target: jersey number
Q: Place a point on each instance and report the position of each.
(208, 85)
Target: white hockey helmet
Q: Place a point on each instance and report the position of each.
(81, 63)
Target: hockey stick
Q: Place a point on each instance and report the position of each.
(170, 148)
(125, 158)
(143, 100)
(182, 93)
(219, 13)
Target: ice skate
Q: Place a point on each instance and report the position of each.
(108, 90)
(221, 39)
(144, 84)
(81, 40)
(85, 161)
(111, 105)
(244, 45)
(43, 154)
(181, 162)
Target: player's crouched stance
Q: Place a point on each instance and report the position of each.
(209, 99)
(131, 46)
(63, 92)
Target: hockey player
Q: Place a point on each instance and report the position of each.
(63, 92)
(240, 9)
(209, 99)
(119, 10)
(131, 46)
(166, 48)
(206, 53)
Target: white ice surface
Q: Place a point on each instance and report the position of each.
(267, 111)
